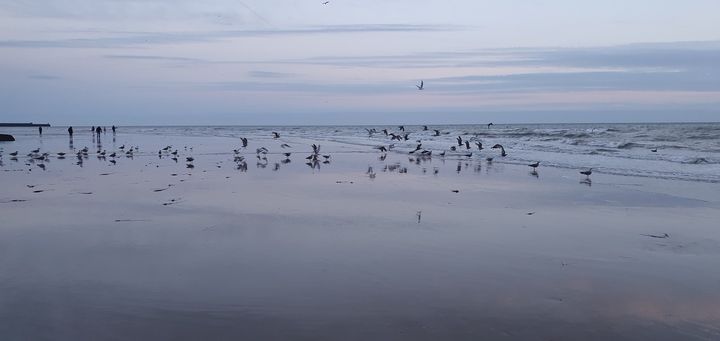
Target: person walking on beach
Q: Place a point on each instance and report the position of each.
(92, 130)
(40, 130)
(98, 130)
(113, 129)
(70, 131)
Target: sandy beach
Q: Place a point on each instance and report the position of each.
(447, 248)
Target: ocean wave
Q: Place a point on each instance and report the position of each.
(628, 145)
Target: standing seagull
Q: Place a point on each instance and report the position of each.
(534, 165)
(421, 86)
(587, 172)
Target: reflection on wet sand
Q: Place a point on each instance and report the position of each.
(362, 244)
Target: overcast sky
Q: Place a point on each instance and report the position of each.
(357, 61)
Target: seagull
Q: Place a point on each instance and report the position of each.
(190, 159)
(35, 151)
(467, 144)
(326, 2)
(244, 141)
(421, 86)
(587, 172)
(284, 145)
(489, 159)
(425, 128)
(382, 149)
(286, 154)
(490, 125)
(459, 139)
(59, 154)
(275, 135)
(534, 165)
(654, 150)
(502, 153)
(437, 132)
(13, 154)
(479, 145)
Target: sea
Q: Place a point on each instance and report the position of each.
(679, 151)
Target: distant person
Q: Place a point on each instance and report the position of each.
(40, 130)
(98, 130)
(70, 131)
(104, 130)
(92, 129)
(113, 129)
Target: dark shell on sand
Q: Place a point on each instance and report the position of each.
(5, 137)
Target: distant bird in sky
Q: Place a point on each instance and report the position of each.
(421, 86)
(587, 172)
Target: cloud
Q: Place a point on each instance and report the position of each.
(270, 74)
(164, 38)
(44, 77)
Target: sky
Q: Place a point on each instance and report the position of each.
(215, 62)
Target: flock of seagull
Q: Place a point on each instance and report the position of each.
(464, 148)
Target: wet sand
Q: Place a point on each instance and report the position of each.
(147, 248)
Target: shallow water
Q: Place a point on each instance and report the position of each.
(147, 248)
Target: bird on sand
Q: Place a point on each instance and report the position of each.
(437, 132)
(587, 172)
(275, 135)
(534, 165)
(14, 154)
(421, 86)
(490, 125)
(190, 159)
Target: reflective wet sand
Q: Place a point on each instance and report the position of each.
(147, 248)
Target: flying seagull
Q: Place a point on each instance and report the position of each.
(421, 86)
